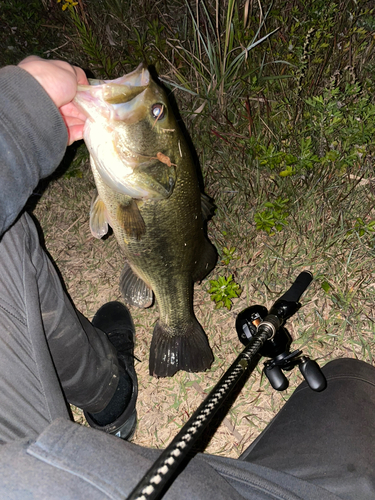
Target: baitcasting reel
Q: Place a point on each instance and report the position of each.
(278, 346)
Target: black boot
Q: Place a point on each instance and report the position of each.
(119, 417)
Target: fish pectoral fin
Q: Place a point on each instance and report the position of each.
(208, 208)
(205, 262)
(130, 219)
(134, 289)
(98, 217)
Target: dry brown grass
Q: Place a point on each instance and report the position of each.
(90, 269)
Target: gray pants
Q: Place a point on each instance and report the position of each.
(320, 446)
(45, 344)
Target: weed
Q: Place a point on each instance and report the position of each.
(342, 123)
(364, 228)
(23, 31)
(273, 217)
(217, 56)
(223, 291)
(227, 254)
(92, 47)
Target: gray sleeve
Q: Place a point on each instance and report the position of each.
(33, 139)
(73, 462)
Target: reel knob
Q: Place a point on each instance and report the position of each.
(276, 377)
(312, 374)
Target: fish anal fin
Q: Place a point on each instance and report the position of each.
(134, 289)
(208, 207)
(187, 350)
(98, 217)
(131, 220)
(205, 262)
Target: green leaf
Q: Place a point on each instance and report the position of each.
(326, 286)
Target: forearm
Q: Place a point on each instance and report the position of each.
(33, 139)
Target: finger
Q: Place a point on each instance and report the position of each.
(58, 78)
(75, 128)
(71, 120)
(71, 109)
(75, 133)
(75, 70)
(29, 59)
(81, 76)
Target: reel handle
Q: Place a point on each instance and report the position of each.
(288, 304)
(301, 284)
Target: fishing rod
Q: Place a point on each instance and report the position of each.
(263, 333)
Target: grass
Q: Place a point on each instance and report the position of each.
(285, 141)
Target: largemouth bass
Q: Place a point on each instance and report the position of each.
(148, 192)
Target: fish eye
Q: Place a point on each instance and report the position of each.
(158, 111)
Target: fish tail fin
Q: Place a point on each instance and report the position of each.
(185, 349)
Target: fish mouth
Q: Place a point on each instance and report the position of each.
(114, 99)
(140, 77)
(106, 103)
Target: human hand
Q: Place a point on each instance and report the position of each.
(60, 79)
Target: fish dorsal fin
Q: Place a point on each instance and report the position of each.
(134, 290)
(98, 217)
(131, 220)
(208, 207)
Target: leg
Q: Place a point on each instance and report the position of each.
(45, 345)
(326, 438)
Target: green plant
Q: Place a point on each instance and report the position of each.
(227, 252)
(223, 291)
(365, 231)
(217, 55)
(341, 121)
(363, 228)
(228, 255)
(148, 45)
(101, 62)
(273, 217)
(326, 286)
